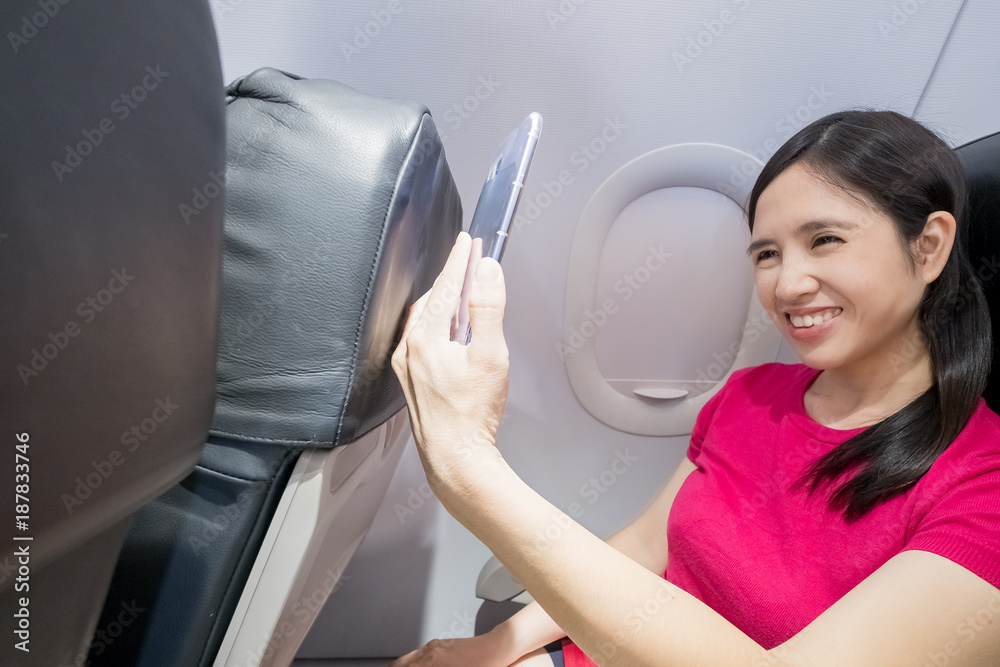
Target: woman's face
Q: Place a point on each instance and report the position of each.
(832, 275)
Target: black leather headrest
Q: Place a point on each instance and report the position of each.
(112, 123)
(341, 211)
(981, 159)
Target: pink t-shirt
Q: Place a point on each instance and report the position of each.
(770, 561)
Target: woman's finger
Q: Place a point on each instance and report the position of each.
(398, 358)
(442, 302)
(415, 310)
(487, 302)
(399, 354)
(404, 660)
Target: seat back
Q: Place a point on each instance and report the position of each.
(981, 159)
(111, 127)
(341, 211)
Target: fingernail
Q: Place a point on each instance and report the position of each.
(488, 270)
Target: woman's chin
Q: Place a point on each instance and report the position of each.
(816, 358)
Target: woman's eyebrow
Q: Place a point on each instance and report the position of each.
(808, 227)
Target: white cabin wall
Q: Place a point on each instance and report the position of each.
(962, 100)
(413, 578)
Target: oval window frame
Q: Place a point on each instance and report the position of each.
(700, 165)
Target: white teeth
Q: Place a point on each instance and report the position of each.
(815, 318)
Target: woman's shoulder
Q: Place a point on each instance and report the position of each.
(975, 452)
(981, 436)
(986, 417)
(956, 508)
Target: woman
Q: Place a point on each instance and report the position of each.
(841, 511)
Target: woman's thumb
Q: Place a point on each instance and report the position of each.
(487, 301)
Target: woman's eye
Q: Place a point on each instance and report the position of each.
(824, 240)
(764, 254)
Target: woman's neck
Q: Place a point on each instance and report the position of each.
(871, 389)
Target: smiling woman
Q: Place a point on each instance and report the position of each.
(884, 271)
(858, 226)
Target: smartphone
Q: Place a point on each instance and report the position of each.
(498, 200)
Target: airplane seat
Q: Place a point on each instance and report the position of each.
(502, 595)
(340, 212)
(110, 301)
(981, 160)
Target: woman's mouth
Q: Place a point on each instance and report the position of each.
(805, 321)
(813, 326)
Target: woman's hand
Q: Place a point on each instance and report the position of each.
(481, 651)
(455, 393)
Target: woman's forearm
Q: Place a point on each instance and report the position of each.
(532, 628)
(529, 629)
(617, 611)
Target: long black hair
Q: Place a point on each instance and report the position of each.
(907, 172)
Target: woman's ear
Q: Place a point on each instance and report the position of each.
(933, 247)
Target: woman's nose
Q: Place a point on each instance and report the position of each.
(795, 279)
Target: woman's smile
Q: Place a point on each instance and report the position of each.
(812, 325)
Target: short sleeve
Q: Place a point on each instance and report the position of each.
(964, 526)
(707, 413)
